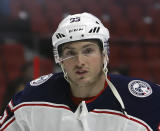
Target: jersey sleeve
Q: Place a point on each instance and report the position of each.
(8, 121)
(13, 118)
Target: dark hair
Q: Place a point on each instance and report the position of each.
(99, 43)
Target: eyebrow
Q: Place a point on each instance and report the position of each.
(88, 45)
(85, 46)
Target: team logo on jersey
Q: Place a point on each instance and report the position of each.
(40, 80)
(139, 88)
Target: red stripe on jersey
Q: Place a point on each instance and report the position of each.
(119, 114)
(10, 121)
(38, 104)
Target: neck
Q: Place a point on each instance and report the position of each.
(88, 90)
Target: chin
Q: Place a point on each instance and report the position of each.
(83, 82)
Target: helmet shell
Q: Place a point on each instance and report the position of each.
(79, 27)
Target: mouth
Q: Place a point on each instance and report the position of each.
(81, 72)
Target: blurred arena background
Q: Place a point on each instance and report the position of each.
(26, 27)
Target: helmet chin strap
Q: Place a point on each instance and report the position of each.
(65, 73)
(112, 87)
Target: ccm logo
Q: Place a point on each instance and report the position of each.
(76, 29)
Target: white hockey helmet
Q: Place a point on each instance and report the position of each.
(79, 27)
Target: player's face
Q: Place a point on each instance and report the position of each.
(85, 62)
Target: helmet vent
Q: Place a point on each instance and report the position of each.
(97, 22)
(94, 30)
(60, 36)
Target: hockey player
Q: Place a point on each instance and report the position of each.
(84, 97)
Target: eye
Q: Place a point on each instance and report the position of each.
(69, 53)
(88, 51)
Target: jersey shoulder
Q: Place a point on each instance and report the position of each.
(41, 89)
(139, 97)
(135, 87)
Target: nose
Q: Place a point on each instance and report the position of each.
(80, 60)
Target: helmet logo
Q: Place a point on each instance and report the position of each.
(94, 30)
(76, 29)
(74, 19)
(60, 35)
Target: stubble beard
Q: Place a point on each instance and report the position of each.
(91, 81)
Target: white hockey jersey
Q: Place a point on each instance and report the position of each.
(45, 105)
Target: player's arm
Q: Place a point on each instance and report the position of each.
(8, 121)
(11, 120)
